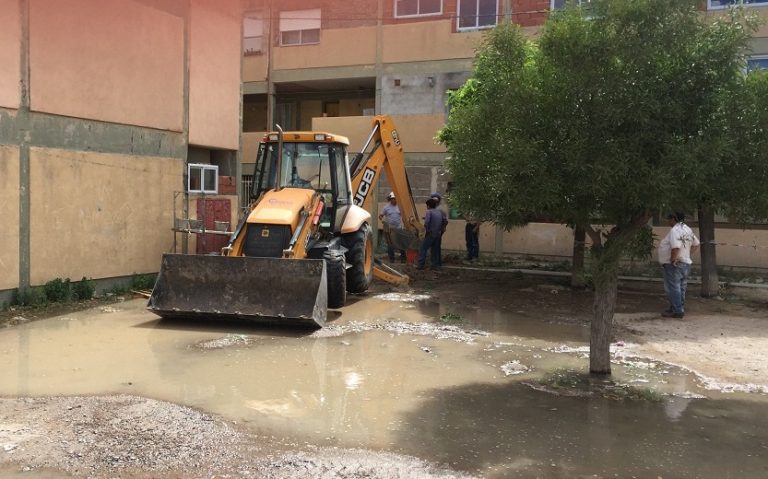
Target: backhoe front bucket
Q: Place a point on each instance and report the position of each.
(240, 287)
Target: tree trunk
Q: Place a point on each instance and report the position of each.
(606, 278)
(710, 285)
(577, 265)
(604, 265)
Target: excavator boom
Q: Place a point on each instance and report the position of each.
(383, 152)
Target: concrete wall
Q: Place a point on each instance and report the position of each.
(736, 247)
(425, 92)
(416, 132)
(255, 68)
(99, 215)
(117, 91)
(214, 74)
(114, 61)
(415, 42)
(10, 53)
(338, 47)
(255, 116)
(9, 212)
(250, 148)
(355, 107)
(309, 109)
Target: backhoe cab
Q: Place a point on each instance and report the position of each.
(305, 242)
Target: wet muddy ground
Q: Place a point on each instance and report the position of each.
(457, 376)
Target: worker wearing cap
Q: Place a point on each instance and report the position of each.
(444, 224)
(392, 218)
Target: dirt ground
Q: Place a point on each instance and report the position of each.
(724, 341)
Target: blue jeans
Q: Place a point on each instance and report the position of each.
(675, 284)
(431, 242)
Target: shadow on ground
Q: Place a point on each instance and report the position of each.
(514, 431)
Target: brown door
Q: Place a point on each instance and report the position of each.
(210, 211)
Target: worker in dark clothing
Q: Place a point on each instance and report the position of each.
(472, 238)
(433, 224)
(443, 226)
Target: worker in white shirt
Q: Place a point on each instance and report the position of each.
(674, 254)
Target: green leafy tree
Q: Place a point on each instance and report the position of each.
(738, 137)
(598, 122)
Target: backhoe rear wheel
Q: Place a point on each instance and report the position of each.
(336, 276)
(360, 256)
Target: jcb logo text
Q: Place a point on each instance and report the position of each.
(365, 186)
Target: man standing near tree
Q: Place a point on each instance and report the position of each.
(472, 238)
(443, 226)
(675, 258)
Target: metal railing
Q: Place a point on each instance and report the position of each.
(246, 182)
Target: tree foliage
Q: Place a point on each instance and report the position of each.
(617, 111)
(740, 183)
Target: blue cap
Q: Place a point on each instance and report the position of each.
(436, 195)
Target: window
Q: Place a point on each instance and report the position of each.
(757, 63)
(202, 178)
(414, 8)
(300, 27)
(718, 4)
(475, 14)
(253, 34)
(555, 4)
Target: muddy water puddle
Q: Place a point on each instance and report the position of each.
(389, 374)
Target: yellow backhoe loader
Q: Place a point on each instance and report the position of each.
(307, 239)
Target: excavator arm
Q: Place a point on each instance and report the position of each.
(383, 152)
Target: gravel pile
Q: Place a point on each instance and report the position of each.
(134, 437)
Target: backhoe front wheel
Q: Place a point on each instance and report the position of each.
(360, 257)
(336, 277)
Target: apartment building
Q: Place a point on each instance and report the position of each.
(121, 120)
(105, 109)
(329, 65)
(326, 65)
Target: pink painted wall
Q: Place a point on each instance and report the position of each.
(214, 76)
(118, 61)
(10, 53)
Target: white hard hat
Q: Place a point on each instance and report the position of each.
(390, 195)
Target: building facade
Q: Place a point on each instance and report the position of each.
(329, 65)
(121, 120)
(103, 106)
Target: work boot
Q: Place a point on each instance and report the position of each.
(670, 314)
